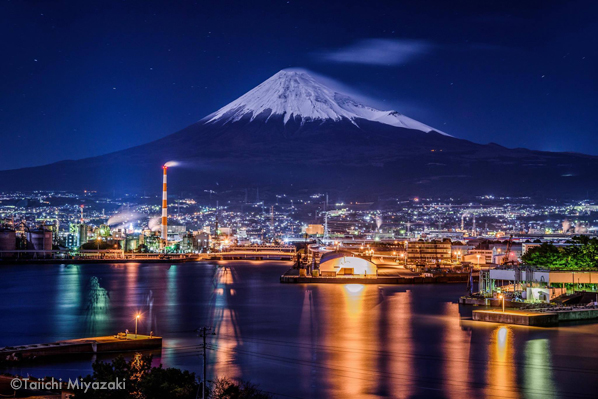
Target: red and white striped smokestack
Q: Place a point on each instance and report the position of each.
(164, 209)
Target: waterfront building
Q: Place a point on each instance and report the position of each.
(534, 284)
(479, 256)
(429, 252)
(345, 263)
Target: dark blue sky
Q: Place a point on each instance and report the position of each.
(83, 78)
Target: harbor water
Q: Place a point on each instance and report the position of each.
(296, 340)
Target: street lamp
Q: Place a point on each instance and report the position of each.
(478, 260)
(501, 296)
(136, 320)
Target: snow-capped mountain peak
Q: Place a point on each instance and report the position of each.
(296, 94)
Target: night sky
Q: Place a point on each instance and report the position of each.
(84, 78)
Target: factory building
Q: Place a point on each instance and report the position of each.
(314, 229)
(176, 231)
(39, 239)
(429, 252)
(198, 241)
(81, 234)
(479, 256)
(8, 242)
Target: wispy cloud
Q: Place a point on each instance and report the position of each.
(378, 52)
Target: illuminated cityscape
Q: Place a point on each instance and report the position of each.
(298, 200)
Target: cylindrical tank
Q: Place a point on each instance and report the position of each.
(41, 239)
(8, 242)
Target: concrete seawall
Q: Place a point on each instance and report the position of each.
(516, 317)
(82, 346)
(538, 319)
(581, 314)
(374, 280)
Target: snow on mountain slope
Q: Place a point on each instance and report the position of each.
(295, 94)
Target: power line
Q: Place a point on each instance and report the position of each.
(332, 348)
(203, 332)
(339, 371)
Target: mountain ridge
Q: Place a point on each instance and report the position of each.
(264, 144)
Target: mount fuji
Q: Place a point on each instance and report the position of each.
(296, 96)
(293, 133)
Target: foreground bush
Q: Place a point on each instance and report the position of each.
(142, 381)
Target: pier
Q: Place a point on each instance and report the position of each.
(549, 318)
(251, 255)
(442, 279)
(116, 343)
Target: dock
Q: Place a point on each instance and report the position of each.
(442, 279)
(116, 343)
(534, 318)
(518, 317)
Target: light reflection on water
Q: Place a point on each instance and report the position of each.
(68, 299)
(537, 374)
(398, 335)
(456, 345)
(299, 340)
(222, 318)
(501, 373)
(349, 335)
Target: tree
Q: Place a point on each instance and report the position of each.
(142, 381)
(582, 254)
(223, 388)
(168, 383)
(545, 255)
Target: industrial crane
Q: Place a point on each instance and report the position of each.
(505, 259)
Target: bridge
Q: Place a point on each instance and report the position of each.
(262, 248)
(256, 252)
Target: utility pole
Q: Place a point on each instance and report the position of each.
(203, 332)
(272, 221)
(326, 237)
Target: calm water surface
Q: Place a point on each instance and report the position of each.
(297, 340)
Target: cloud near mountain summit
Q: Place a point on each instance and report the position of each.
(378, 52)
